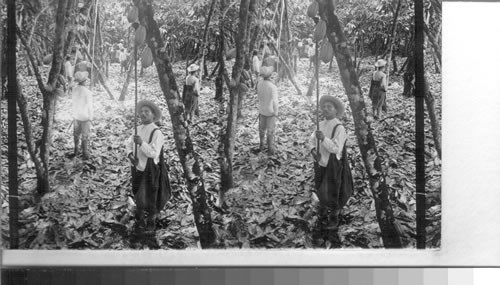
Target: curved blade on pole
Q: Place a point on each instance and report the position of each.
(135, 105)
(317, 97)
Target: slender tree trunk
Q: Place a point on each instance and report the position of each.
(204, 44)
(12, 124)
(100, 76)
(366, 142)
(291, 75)
(434, 43)
(130, 73)
(419, 122)
(49, 94)
(193, 169)
(391, 42)
(431, 110)
(219, 97)
(229, 136)
(409, 77)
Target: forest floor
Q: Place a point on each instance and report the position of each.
(271, 205)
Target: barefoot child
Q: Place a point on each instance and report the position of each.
(333, 178)
(83, 113)
(267, 94)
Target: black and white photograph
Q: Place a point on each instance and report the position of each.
(221, 124)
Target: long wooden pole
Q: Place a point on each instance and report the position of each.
(93, 43)
(135, 105)
(317, 98)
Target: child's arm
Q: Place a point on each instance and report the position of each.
(91, 106)
(275, 100)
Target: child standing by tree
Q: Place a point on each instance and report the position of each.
(68, 70)
(378, 87)
(191, 93)
(149, 140)
(333, 178)
(83, 113)
(311, 53)
(267, 94)
(256, 64)
(123, 60)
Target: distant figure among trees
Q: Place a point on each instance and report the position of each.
(191, 93)
(267, 94)
(123, 60)
(83, 113)
(378, 88)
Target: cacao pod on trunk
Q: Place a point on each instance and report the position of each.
(133, 14)
(312, 11)
(319, 31)
(140, 35)
(326, 52)
(47, 59)
(147, 58)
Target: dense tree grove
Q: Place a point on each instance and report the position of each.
(226, 191)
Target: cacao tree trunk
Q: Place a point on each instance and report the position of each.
(431, 110)
(372, 161)
(435, 47)
(409, 77)
(193, 169)
(12, 124)
(230, 133)
(49, 92)
(204, 44)
(100, 76)
(391, 41)
(419, 123)
(130, 73)
(289, 71)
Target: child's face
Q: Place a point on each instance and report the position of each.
(328, 110)
(147, 115)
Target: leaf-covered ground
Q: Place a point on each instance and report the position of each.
(271, 207)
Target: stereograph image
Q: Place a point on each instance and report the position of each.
(219, 124)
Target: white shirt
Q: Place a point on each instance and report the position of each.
(329, 145)
(68, 68)
(147, 149)
(312, 50)
(192, 80)
(83, 108)
(256, 63)
(123, 56)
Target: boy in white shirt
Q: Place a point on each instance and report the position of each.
(149, 141)
(83, 113)
(334, 183)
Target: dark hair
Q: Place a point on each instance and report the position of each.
(68, 57)
(255, 52)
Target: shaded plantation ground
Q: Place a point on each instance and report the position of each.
(271, 206)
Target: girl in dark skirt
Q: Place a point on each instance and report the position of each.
(378, 88)
(333, 177)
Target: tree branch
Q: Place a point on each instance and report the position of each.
(22, 104)
(38, 76)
